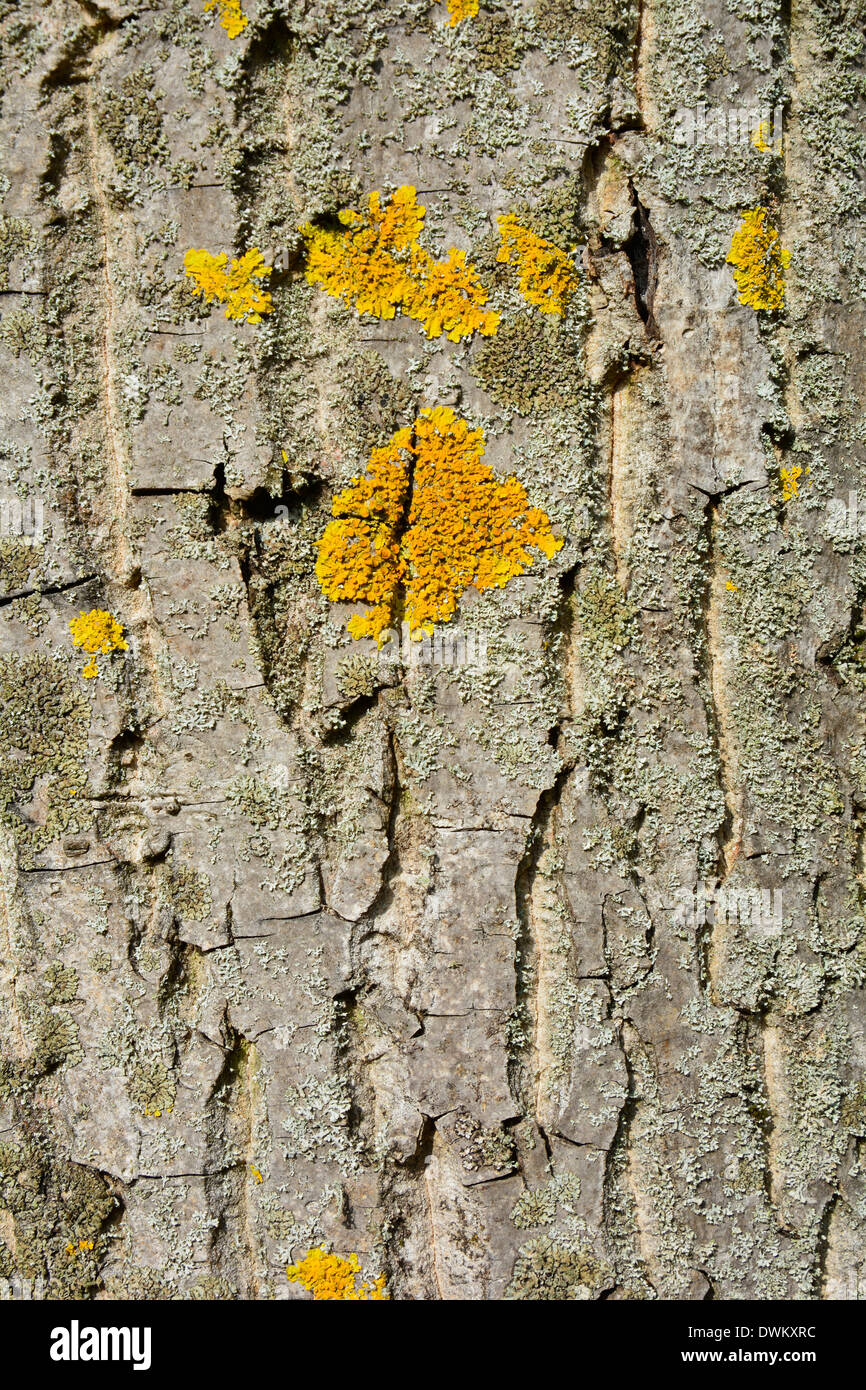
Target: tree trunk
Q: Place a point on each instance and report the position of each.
(534, 971)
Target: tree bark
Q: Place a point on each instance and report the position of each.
(537, 977)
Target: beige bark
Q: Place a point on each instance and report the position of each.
(298, 947)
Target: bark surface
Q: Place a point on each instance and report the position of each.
(301, 947)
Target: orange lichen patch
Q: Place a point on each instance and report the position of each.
(237, 287)
(759, 260)
(378, 265)
(449, 298)
(98, 633)
(332, 1279)
(395, 225)
(458, 10)
(466, 527)
(547, 276)
(359, 554)
(431, 519)
(368, 264)
(232, 17)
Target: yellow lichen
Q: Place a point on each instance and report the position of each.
(765, 140)
(448, 298)
(458, 10)
(330, 1278)
(98, 633)
(790, 480)
(547, 276)
(236, 287)
(759, 260)
(428, 518)
(378, 265)
(232, 17)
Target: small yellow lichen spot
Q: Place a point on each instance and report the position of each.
(790, 480)
(236, 286)
(759, 260)
(232, 17)
(378, 266)
(97, 633)
(82, 1245)
(758, 137)
(547, 276)
(256, 1174)
(330, 1278)
(429, 533)
(458, 10)
(731, 586)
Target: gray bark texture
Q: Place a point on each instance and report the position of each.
(303, 948)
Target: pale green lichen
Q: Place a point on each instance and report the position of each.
(152, 1087)
(44, 722)
(545, 1270)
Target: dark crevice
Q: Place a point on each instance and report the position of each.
(642, 251)
(852, 639)
(417, 1161)
(161, 491)
(616, 1157)
(823, 1245)
(350, 1056)
(705, 659)
(49, 589)
(124, 750)
(524, 946)
(391, 867)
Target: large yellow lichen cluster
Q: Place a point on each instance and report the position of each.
(547, 275)
(458, 10)
(378, 265)
(237, 286)
(329, 1278)
(359, 557)
(232, 17)
(97, 633)
(428, 518)
(759, 260)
